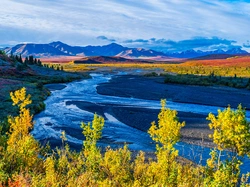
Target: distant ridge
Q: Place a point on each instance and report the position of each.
(107, 59)
(36, 50)
(61, 49)
(211, 54)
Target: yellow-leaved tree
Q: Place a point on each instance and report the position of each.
(232, 137)
(22, 149)
(166, 134)
(92, 132)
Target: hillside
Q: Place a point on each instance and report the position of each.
(11, 67)
(239, 61)
(37, 50)
(213, 56)
(15, 75)
(106, 60)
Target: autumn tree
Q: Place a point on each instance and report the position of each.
(232, 137)
(22, 149)
(92, 132)
(166, 134)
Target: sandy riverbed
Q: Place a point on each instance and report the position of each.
(196, 130)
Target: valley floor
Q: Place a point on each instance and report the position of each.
(196, 130)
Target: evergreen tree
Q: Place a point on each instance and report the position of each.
(26, 61)
(17, 58)
(20, 59)
(31, 60)
(39, 63)
(11, 55)
(2, 52)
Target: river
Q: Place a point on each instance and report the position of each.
(58, 116)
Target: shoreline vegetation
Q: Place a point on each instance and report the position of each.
(25, 163)
(210, 80)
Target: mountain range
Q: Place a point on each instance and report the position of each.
(61, 49)
(193, 54)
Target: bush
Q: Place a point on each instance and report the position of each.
(2, 52)
(24, 163)
(206, 80)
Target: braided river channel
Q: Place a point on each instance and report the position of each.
(61, 114)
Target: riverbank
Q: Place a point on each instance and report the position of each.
(33, 79)
(76, 103)
(196, 130)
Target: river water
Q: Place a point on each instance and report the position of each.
(59, 116)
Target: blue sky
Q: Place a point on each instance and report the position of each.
(166, 25)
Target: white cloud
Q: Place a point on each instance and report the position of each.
(80, 22)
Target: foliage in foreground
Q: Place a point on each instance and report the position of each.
(24, 163)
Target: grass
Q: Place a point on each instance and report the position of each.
(87, 67)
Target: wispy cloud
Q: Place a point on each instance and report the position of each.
(81, 22)
(105, 39)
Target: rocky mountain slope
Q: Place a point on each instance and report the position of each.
(61, 49)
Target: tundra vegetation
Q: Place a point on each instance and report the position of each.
(25, 163)
(17, 72)
(232, 72)
(230, 67)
